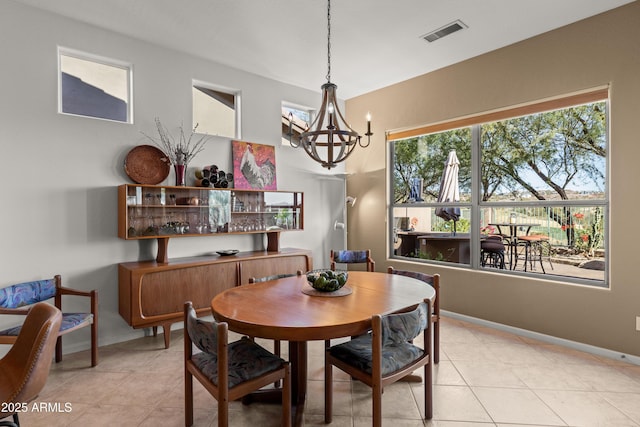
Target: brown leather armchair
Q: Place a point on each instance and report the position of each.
(25, 368)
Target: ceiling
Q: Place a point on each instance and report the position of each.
(374, 43)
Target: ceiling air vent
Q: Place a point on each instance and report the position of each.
(444, 31)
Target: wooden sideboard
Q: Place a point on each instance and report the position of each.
(152, 294)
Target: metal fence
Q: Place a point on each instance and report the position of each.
(566, 226)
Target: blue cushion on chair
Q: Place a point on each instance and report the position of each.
(358, 353)
(203, 334)
(247, 360)
(350, 257)
(397, 351)
(11, 332)
(69, 320)
(404, 327)
(27, 293)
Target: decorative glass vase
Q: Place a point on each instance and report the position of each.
(180, 171)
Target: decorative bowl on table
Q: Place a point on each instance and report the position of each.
(325, 280)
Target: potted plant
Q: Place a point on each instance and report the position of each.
(283, 218)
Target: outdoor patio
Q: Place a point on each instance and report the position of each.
(566, 267)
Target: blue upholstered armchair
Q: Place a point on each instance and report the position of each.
(17, 299)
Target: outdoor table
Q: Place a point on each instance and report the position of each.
(513, 235)
(278, 309)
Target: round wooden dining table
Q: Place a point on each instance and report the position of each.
(279, 309)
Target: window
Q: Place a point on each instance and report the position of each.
(534, 178)
(216, 110)
(93, 86)
(295, 120)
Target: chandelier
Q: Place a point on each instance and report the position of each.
(329, 140)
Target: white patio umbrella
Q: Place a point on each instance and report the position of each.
(450, 190)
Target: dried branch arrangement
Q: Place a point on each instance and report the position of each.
(180, 150)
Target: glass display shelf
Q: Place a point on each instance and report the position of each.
(163, 212)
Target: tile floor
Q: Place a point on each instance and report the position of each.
(485, 378)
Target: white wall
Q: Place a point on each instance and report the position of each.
(60, 173)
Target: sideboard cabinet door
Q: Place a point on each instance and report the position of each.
(153, 294)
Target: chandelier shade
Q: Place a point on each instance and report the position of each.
(329, 140)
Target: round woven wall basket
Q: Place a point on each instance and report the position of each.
(146, 164)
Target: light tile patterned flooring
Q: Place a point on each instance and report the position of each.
(485, 378)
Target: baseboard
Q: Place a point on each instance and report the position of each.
(598, 351)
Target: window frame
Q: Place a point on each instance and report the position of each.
(476, 205)
(285, 120)
(98, 59)
(237, 99)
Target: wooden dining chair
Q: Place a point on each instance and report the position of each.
(228, 371)
(384, 356)
(352, 257)
(434, 282)
(15, 299)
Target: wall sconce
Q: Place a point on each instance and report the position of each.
(351, 200)
(338, 225)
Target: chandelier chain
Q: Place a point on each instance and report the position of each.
(328, 41)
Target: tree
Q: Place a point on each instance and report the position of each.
(424, 157)
(558, 148)
(407, 163)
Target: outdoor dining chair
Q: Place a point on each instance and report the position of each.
(492, 252)
(534, 247)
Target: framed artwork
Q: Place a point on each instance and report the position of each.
(254, 166)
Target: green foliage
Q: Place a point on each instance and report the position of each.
(427, 255)
(424, 157)
(589, 237)
(463, 225)
(557, 148)
(283, 214)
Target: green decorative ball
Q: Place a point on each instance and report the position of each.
(327, 280)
